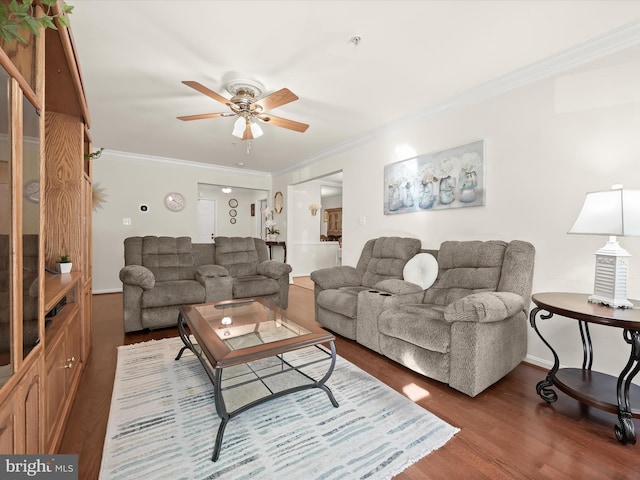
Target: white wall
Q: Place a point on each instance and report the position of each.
(130, 181)
(547, 144)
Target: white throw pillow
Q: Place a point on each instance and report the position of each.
(422, 270)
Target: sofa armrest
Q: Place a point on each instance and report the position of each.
(397, 287)
(211, 271)
(138, 275)
(273, 269)
(484, 307)
(336, 277)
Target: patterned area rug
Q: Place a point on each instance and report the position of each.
(163, 424)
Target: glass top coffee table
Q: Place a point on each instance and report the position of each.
(245, 348)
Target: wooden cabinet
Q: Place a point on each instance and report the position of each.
(55, 392)
(63, 354)
(45, 212)
(334, 222)
(30, 400)
(8, 427)
(21, 426)
(63, 361)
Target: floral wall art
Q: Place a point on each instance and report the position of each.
(451, 178)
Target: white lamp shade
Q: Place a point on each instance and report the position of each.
(238, 127)
(256, 131)
(610, 212)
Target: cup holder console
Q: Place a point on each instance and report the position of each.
(384, 294)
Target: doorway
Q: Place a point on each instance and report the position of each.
(206, 220)
(307, 250)
(229, 211)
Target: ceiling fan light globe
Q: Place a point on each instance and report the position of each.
(256, 131)
(238, 127)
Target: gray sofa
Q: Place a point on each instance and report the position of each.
(163, 273)
(469, 329)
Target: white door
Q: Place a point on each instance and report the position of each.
(206, 220)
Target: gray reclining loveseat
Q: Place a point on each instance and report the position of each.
(469, 329)
(163, 273)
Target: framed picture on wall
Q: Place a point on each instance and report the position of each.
(451, 178)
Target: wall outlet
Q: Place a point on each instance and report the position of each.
(363, 220)
(126, 221)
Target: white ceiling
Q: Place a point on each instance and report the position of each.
(413, 56)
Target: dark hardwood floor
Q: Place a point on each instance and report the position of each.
(506, 432)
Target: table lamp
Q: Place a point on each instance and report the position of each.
(614, 212)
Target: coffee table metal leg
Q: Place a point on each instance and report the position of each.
(221, 409)
(322, 382)
(216, 449)
(183, 336)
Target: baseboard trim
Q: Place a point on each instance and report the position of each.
(106, 290)
(538, 362)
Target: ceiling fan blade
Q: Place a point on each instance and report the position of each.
(206, 91)
(276, 99)
(283, 122)
(204, 115)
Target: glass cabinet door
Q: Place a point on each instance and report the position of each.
(6, 368)
(30, 225)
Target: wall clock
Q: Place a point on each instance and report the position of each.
(174, 201)
(233, 203)
(32, 191)
(233, 212)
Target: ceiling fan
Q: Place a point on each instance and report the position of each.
(247, 105)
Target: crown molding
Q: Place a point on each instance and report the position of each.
(611, 42)
(188, 163)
